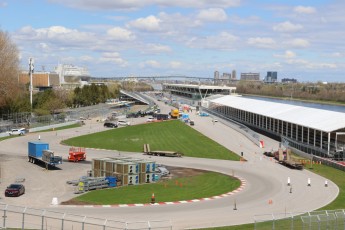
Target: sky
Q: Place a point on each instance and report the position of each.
(301, 39)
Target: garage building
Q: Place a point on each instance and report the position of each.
(314, 131)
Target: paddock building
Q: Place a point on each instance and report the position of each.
(197, 92)
(314, 131)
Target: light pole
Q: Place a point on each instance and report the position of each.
(31, 70)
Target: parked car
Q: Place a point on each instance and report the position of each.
(20, 131)
(110, 125)
(150, 119)
(15, 190)
(162, 171)
(123, 123)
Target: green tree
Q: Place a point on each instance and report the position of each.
(10, 90)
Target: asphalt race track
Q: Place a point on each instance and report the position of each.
(265, 180)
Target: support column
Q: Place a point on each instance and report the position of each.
(329, 143)
(308, 136)
(302, 134)
(314, 137)
(321, 140)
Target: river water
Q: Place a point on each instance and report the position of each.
(337, 108)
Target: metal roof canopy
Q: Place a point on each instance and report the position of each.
(201, 86)
(319, 119)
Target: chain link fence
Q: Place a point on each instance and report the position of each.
(18, 217)
(316, 220)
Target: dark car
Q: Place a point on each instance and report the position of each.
(110, 125)
(15, 190)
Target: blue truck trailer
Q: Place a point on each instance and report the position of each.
(39, 153)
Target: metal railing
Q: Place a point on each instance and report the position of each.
(19, 217)
(320, 220)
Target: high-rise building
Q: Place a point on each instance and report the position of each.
(226, 76)
(216, 75)
(250, 76)
(233, 75)
(272, 76)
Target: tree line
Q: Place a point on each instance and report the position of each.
(323, 92)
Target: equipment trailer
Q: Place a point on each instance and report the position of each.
(284, 158)
(147, 151)
(39, 153)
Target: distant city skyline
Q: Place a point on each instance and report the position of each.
(303, 40)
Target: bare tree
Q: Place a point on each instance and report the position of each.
(9, 69)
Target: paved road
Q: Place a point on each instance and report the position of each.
(265, 180)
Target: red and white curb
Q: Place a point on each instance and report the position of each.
(243, 184)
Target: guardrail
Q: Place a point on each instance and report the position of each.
(327, 219)
(18, 217)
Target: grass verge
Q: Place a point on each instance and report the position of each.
(168, 136)
(207, 184)
(60, 128)
(7, 137)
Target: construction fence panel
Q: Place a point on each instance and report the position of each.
(17, 217)
(340, 219)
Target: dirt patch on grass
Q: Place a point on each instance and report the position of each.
(177, 172)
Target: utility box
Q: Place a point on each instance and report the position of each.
(35, 149)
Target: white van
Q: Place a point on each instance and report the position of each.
(20, 131)
(123, 123)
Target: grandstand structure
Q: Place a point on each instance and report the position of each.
(314, 131)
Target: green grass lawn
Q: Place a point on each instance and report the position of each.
(207, 184)
(60, 128)
(167, 136)
(8, 137)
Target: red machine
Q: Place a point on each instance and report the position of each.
(77, 154)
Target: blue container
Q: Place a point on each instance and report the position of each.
(111, 180)
(35, 149)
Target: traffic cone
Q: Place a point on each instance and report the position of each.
(153, 199)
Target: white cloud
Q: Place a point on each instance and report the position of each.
(43, 46)
(3, 4)
(298, 43)
(222, 41)
(262, 42)
(212, 15)
(157, 48)
(150, 23)
(56, 35)
(288, 55)
(175, 64)
(287, 27)
(86, 58)
(136, 4)
(337, 55)
(113, 57)
(120, 34)
(150, 64)
(304, 10)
